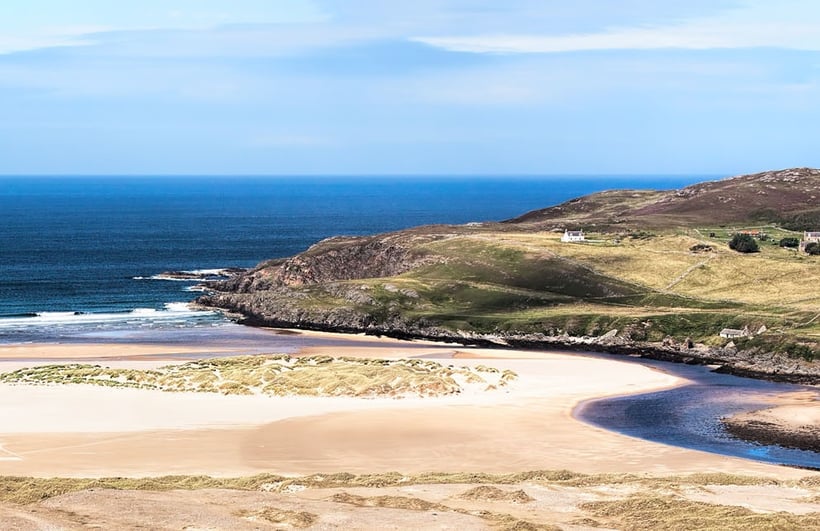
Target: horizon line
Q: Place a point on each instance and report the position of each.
(358, 175)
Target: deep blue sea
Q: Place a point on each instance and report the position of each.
(78, 254)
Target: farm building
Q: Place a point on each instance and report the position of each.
(573, 236)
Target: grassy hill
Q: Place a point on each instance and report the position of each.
(656, 267)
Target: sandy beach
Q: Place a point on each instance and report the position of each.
(89, 431)
(450, 462)
(93, 351)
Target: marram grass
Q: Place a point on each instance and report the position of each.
(279, 375)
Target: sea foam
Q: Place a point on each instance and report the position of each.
(170, 311)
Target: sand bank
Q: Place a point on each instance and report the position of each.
(793, 421)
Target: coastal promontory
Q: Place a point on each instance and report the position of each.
(638, 272)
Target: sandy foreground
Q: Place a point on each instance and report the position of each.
(85, 431)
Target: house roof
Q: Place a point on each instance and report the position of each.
(574, 232)
(732, 332)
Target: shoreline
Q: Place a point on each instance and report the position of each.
(527, 428)
(725, 361)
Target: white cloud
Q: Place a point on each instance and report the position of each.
(790, 24)
(64, 37)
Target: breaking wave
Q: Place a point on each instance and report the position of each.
(172, 311)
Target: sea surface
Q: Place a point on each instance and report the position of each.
(79, 256)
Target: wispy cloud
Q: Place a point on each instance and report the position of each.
(37, 24)
(789, 24)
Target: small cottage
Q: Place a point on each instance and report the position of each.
(732, 333)
(573, 236)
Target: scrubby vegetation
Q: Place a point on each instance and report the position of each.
(701, 248)
(647, 512)
(790, 242)
(743, 243)
(278, 375)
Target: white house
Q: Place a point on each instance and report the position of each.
(733, 333)
(573, 236)
(809, 237)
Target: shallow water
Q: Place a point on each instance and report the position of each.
(689, 416)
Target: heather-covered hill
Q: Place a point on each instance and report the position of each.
(788, 197)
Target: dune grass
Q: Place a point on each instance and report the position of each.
(648, 512)
(279, 375)
(23, 490)
(649, 503)
(288, 518)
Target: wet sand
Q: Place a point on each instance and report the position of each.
(93, 351)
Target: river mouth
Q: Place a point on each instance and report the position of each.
(690, 416)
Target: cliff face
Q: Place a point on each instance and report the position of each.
(334, 259)
(515, 284)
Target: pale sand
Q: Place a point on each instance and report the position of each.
(794, 420)
(83, 351)
(95, 431)
(793, 411)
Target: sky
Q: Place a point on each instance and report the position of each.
(436, 87)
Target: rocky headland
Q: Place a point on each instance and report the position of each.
(644, 287)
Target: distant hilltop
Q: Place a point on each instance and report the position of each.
(786, 197)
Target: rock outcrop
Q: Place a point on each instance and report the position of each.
(334, 259)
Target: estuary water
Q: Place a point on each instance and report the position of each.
(689, 416)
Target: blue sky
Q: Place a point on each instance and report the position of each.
(423, 87)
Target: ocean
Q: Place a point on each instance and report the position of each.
(79, 256)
